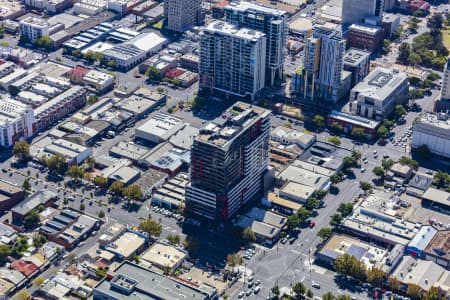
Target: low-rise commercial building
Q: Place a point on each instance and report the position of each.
(136, 50)
(172, 193)
(162, 256)
(372, 256)
(364, 37)
(377, 95)
(349, 122)
(130, 278)
(435, 197)
(58, 107)
(10, 195)
(266, 225)
(16, 122)
(69, 228)
(128, 244)
(398, 174)
(100, 81)
(438, 249)
(432, 131)
(371, 224)
(417, 245)
(159, 128)
(289, 136)
(357, 62)
(43, 197)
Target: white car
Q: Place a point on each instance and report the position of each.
(315, 285)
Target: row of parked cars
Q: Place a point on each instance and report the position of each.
(167, 213)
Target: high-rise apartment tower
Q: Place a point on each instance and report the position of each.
(228, 160)
(270, 21)
(180, 15)
(355, 11)
(232, 60)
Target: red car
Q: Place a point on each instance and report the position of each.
(312, 224)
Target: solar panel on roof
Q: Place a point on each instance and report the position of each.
(356, 251)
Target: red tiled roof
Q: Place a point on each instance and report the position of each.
(26, 268)
(174, 73)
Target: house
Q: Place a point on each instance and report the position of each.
(398, 174)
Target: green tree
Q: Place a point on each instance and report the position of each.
(386, 46)
(38, 240)
(23, 295)
(343, 297)
(312, 203)
(413, 24)
(335, 179)
(382, 132)
(365, 186)
(345, 209)
(328, 296)
(82, 207)
(112, 63)
(57, 163)
(44, 42)
(394, 284)
(403, 52)
(92, 99)
(441, 179)
(336, 219)
(173, 239)
(38, 282)
(100, 272)
(318, 120)
(153, 73)
(21, 151)
(414, 291)
(303, 214)
(348, 265)
(151, 227)
(101, 181)
(234, 260)
(379, 171)
(334, 140)
(324, 233)
(31, 219)
(435, 21)
(356, 155)
(133, 192)
(400, 110)
(299, 290)
(75, 172)
(76, 53)
(375, 276)
(434, 293)
(357, 132)
(292, 221)
(409, 162)
(389, 124)
(309, 294)
(387, 163)
(26, 184)
(101, 214)
(116, 187)
(414, 59)
(248, 235)
(5, 251)
(349, 162)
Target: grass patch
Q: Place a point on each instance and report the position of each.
(158, 25)
(446, 37)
